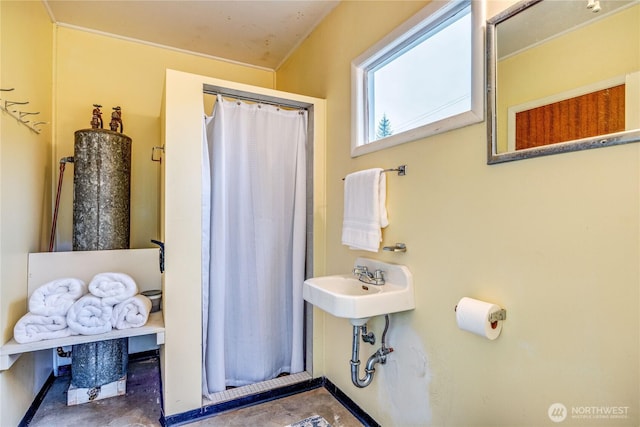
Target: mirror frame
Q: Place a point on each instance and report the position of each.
(493, 156)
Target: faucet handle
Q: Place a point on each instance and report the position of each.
(360, 269)
(378, 277)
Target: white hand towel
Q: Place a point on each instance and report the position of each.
(131, 313)
(113, 288)
(365, 211)
(54, 298)
(34, 327)
(89, 316)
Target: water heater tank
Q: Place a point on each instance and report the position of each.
(101, 212)
(101, 190)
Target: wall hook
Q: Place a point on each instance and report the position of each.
(22, 114)
(8, 103)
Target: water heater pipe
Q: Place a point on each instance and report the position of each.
(52, 237)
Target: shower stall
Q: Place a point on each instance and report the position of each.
(254, 242)
(182, 163)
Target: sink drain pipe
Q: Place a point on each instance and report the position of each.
(379, 356)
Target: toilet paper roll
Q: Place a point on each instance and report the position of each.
(473, 315)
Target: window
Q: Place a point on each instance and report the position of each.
(422, 79)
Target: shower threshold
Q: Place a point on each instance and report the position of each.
(261, 387)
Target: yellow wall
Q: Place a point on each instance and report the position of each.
(93, 68)
(550, 70)
(62, 72)
(25, 170)
(554, 240)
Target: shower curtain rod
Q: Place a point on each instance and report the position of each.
(268, 100)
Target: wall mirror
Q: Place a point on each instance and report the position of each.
(562, 76)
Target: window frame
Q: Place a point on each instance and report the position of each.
(430, 16)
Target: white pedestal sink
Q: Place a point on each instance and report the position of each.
(344, 295)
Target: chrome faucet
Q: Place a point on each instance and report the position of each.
(365, 276)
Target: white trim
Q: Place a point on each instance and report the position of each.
(49, 11)
(430, 13)
(632, 107)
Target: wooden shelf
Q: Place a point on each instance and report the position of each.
(11, 351)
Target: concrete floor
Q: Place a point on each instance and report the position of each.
(285, 411)
(141, 406)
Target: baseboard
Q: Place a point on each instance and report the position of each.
(346, 401)
(144, 355)
(31, 412)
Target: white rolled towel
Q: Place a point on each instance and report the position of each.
(34, 327)
(54, 298)
(113, 288)
(89, 316)
(131, 313)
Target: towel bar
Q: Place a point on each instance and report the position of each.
(402, 170)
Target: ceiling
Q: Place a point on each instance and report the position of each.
(258, 33)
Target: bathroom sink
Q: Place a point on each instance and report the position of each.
(343, 295)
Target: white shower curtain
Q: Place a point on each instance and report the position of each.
(254, 234)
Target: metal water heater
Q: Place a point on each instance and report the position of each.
(101, 218)
(101, 190)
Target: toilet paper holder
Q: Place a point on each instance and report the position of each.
(493, 317)
(480, 317)
(498, 315)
